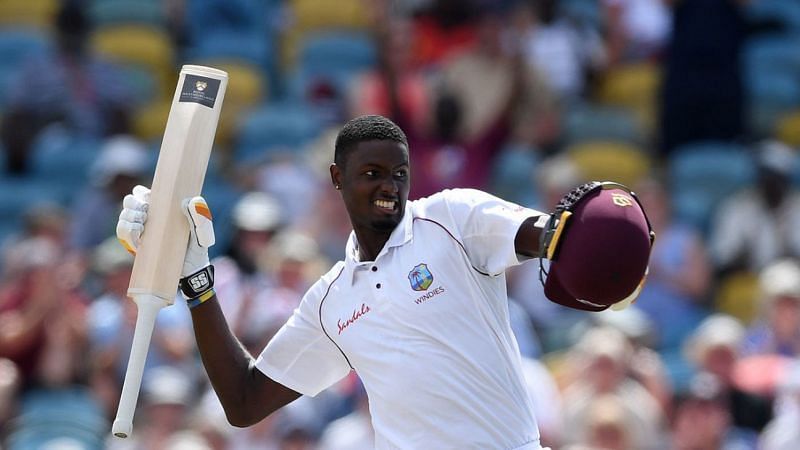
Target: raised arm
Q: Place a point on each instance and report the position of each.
(246, 394)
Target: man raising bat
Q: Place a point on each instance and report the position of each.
(418, 306)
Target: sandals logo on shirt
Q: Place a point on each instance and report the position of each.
(420, 277)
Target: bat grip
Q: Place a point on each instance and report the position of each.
(148, 307)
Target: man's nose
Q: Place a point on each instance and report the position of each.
(390, 185)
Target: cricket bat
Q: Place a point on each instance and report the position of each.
(180, 170)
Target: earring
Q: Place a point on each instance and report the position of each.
(338, 187)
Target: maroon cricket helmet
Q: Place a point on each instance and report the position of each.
(603, 252)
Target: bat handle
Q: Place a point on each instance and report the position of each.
(148, 307)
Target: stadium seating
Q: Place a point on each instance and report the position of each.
(68, 418)
(329, 61)
(633, 86)
(737, 294)
(787, 128)
(275, 127)
(251, 48)
(36, 13)
(142, 46)
(512, 175)
(312, 15)
(786, 12)
(703, 174)
(610, 160)
(221, 197)
(585, 12)
(63, 159)
(600, 122)
(16, 45)
(772, 71)
(115, 12)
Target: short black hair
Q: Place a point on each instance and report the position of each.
(365, 128)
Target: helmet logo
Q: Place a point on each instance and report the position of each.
(621, 200)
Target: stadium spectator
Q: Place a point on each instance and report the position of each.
(777, 330)
(123, 162)
(565, 53)
(71, 86)
(714, 348)
(702, 93)
(757, 225)
(702, 419)
(636, 30)
(601, 366)
(42, 319)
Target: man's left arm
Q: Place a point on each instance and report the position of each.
(527, 242)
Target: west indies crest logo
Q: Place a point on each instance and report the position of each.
(420, 277)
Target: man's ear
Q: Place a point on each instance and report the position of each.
(336, 176)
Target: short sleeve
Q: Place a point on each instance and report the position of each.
(301, 356)
(486, 225)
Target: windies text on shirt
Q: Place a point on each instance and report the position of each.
(429, 295)
(356, 315)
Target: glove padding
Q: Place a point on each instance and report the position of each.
(131, 227)
(201, 235)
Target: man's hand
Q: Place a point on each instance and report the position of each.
(131, 228)
(201, 235)
(130, 225)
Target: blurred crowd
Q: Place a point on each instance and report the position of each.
(695, 104)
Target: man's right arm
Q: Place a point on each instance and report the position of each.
(246, 394)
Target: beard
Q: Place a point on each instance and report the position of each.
(385, 225)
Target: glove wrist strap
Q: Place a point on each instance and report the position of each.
(198, 284)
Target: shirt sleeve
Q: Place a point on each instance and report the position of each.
(486, 225)
(301, 356)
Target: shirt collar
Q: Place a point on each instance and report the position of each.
(401, 235)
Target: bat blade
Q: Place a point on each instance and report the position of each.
(180, 170)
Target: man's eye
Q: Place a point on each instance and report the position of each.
(401, 174)
(371, 173)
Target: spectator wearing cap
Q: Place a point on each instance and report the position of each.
(166, 399)
(758, 225)
(600, 365)
(257, 218)
(608, 427)
(715, 348)
(777, 330)
(702, 418)
(123, 163)
(111, 323)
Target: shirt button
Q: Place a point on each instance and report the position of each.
(378, 285)
(374, 268)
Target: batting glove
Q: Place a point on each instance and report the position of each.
(130, 225)
(197, 274)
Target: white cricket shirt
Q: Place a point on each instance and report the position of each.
(425, 326)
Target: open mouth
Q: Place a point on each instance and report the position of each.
(386, 205)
